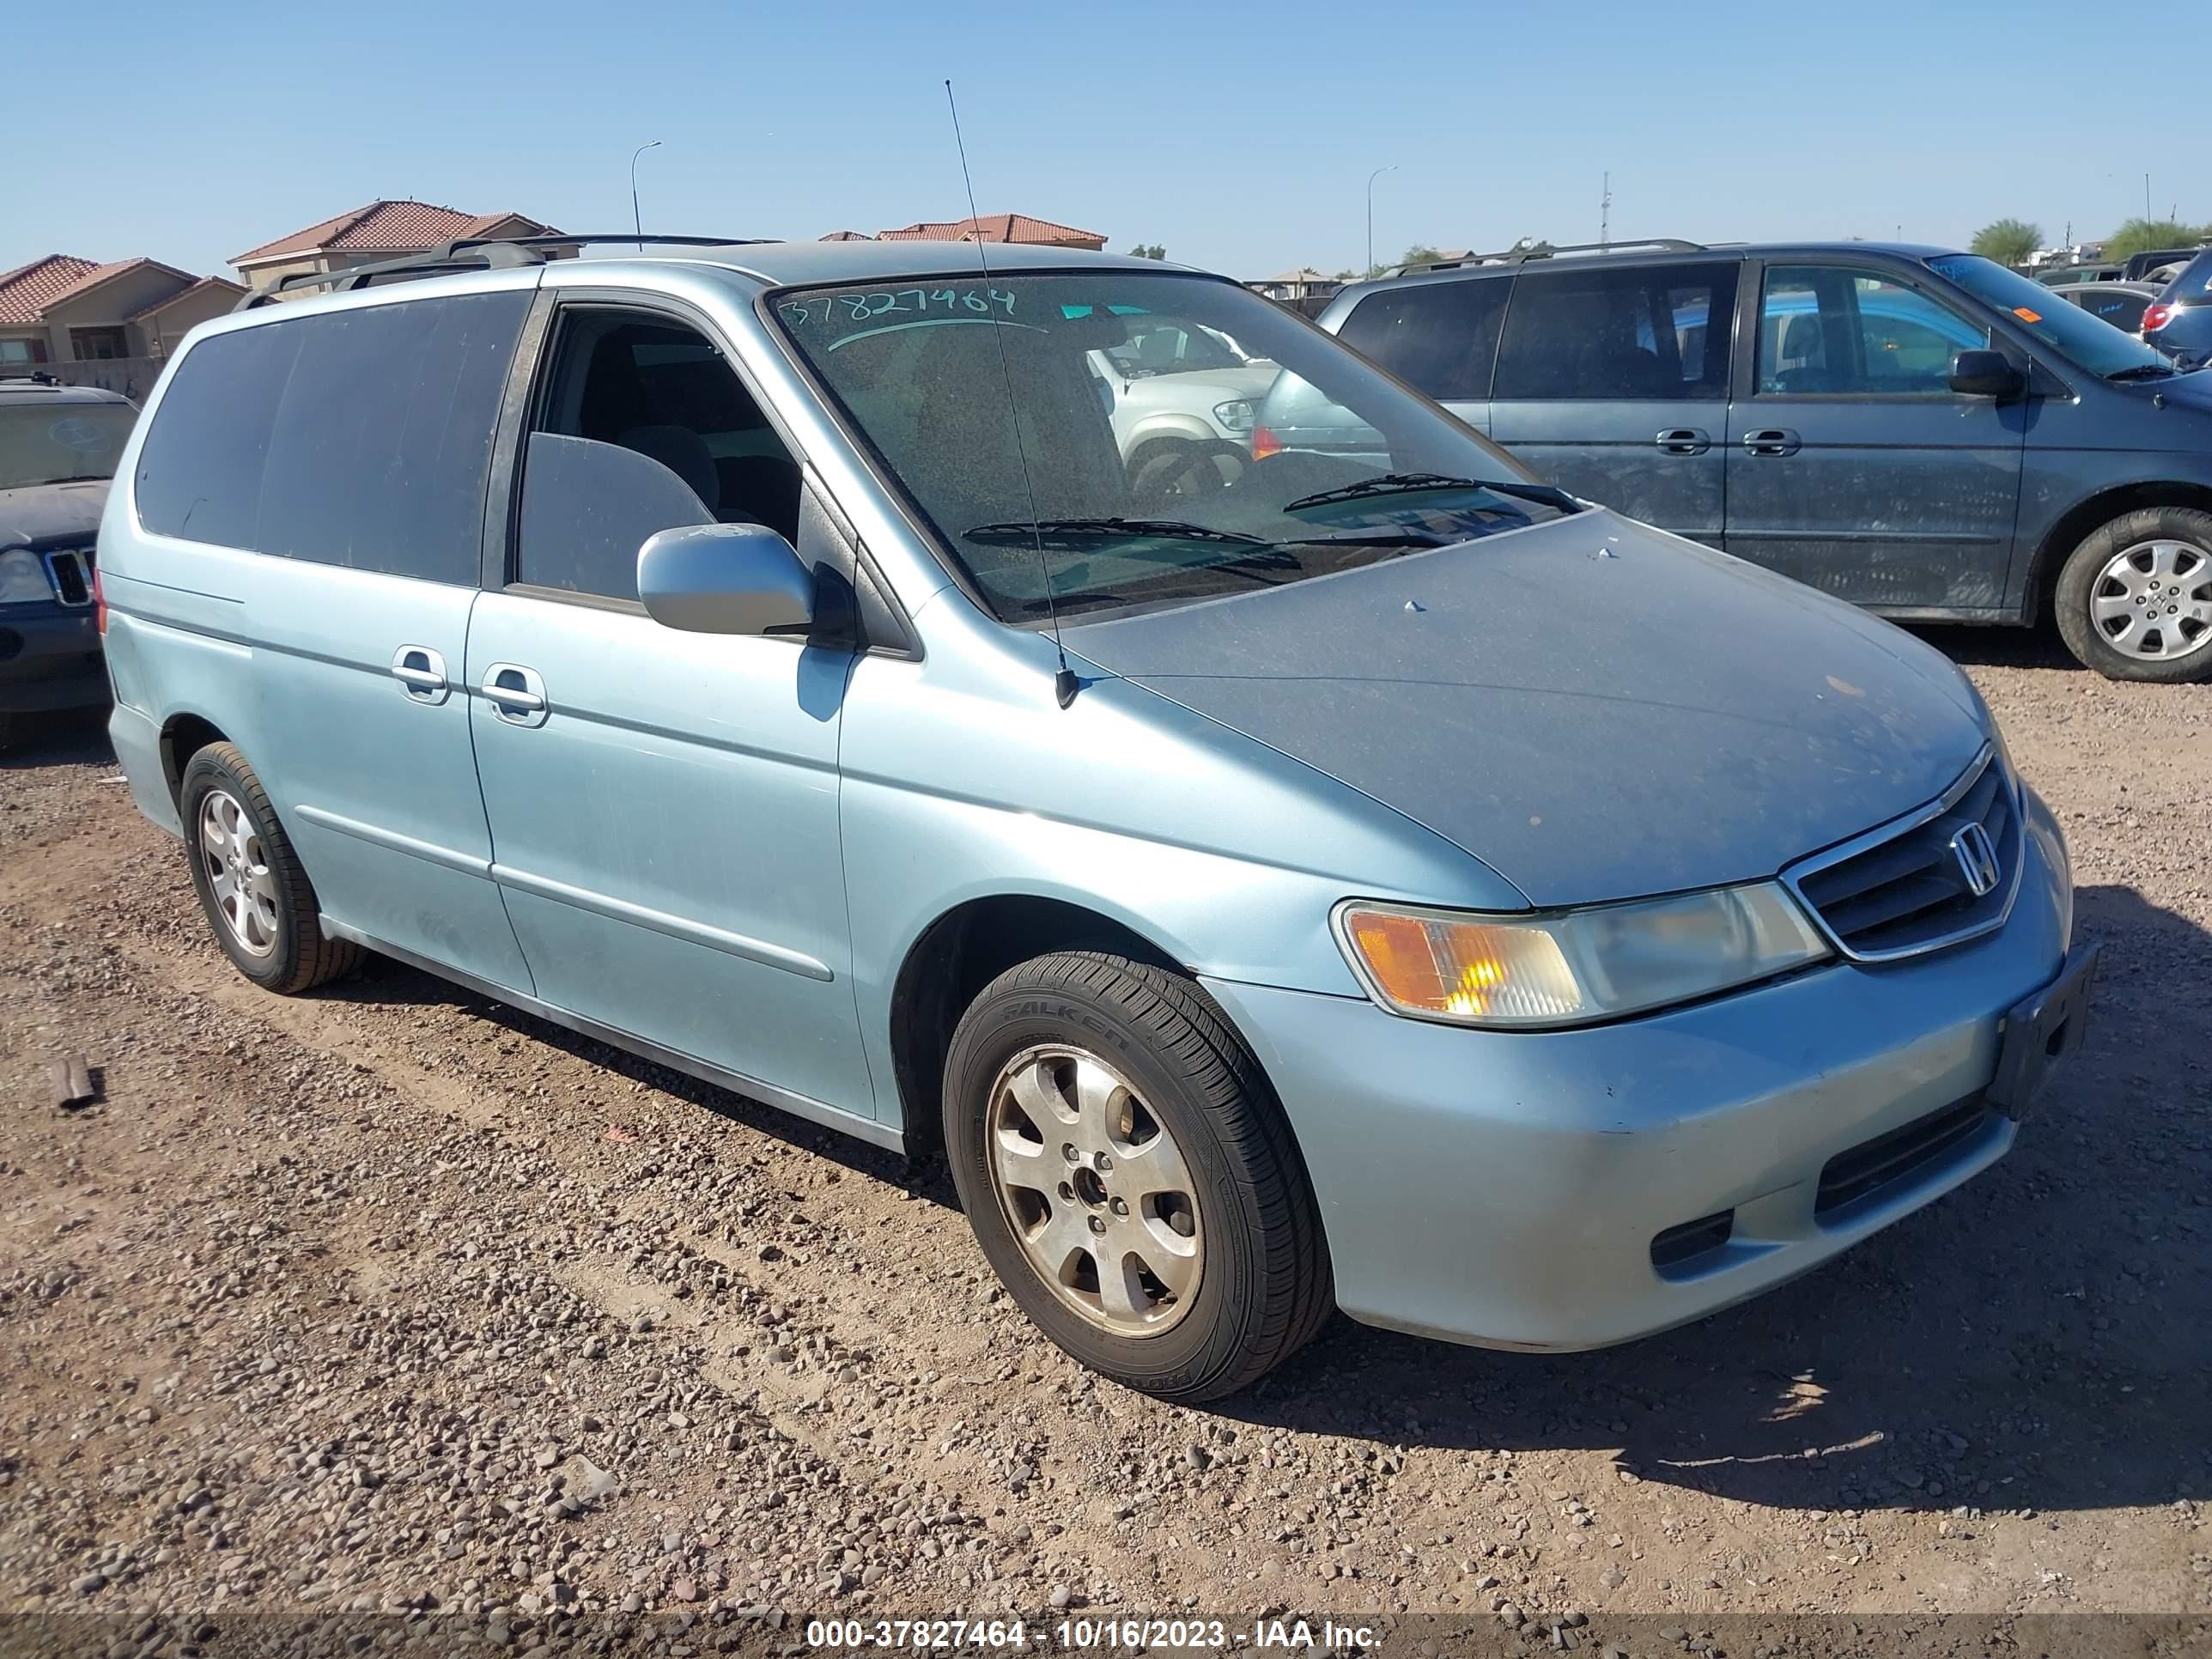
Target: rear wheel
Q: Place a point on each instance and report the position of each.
(257, 897)
(1130, 1177)
(2135, 599)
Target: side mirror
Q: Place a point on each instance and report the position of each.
(724, 578)
(1985, 374)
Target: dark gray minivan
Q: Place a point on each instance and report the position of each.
(1922, 432)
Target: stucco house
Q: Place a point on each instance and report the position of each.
(363, 236)
(64, 309)
(989, 228)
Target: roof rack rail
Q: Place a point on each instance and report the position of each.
(1521, 255)
(36, 377)
(467, 253)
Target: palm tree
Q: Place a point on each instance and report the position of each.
(2008, 241)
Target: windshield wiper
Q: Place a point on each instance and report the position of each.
(1394, 483)
(1405, 537)
(2142, 371)
(1017, 532)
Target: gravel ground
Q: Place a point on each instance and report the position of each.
(390, 1300)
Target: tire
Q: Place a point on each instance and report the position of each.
(2177, 542)
(1255, 1281)
(12, 729)
(276, 940)
(1165, 468)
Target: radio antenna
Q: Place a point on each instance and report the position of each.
(1065, 685)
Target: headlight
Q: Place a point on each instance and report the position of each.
(1576, 966)
(1235, 415)
(23, 577)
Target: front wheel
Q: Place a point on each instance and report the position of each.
(1130, 1177)
(2135, 599)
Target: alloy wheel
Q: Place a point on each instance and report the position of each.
(237, 869)
(1096, 1190)
(2153, 600)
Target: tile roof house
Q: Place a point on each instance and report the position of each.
(64, 309)
(1304, 283)
(993, 228)
(363, 236)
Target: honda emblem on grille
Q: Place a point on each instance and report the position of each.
(1978, 858)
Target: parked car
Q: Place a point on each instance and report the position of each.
(1179, 395)
(2120, 304)
(2140, 266)
(58, 446)
(2179, 321)
(1919, 431)
(2067, 276)
(1396, 886)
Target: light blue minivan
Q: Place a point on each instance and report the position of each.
(1277, 881)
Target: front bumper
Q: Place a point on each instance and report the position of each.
(50, 658)
(1506, 1188)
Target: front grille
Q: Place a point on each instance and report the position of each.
(1897, 1155)
(1907, 887)
(71, 569)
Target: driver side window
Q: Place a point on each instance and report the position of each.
(641, 426)
(1830, 330)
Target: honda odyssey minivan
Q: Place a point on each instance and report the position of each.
(1922, 432)
(1294, 883)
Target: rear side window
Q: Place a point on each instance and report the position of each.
(2117, 306)
(1655, 334)
(2193, 284)
(356, 438)
(1438, 338)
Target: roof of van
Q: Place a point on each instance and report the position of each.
(780, 263)
(27, 388)
(1632, 255)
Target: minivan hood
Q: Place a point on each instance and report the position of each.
(36, 515)
(1593, 709)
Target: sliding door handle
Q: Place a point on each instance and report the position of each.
(421, 673)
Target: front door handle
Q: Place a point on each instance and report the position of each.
(421, 673)
(1684, 441)
(516, 694)
(1772, 440)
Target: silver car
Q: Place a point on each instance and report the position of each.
(1383, 884)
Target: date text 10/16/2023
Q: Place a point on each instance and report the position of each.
(1082, 1635)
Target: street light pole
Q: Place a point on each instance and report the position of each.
(636, 221)
(1371, 178)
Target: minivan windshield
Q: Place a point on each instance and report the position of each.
(1192, 503)
(2090, 343)
(58, 443)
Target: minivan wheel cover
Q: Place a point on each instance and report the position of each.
(1096, 1191)
(237, 869)
(2154, 601)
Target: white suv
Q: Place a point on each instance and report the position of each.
(1179, 393)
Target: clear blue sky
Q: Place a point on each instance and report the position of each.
(1239, 136)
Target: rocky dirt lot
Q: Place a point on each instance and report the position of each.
(390, 1300)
